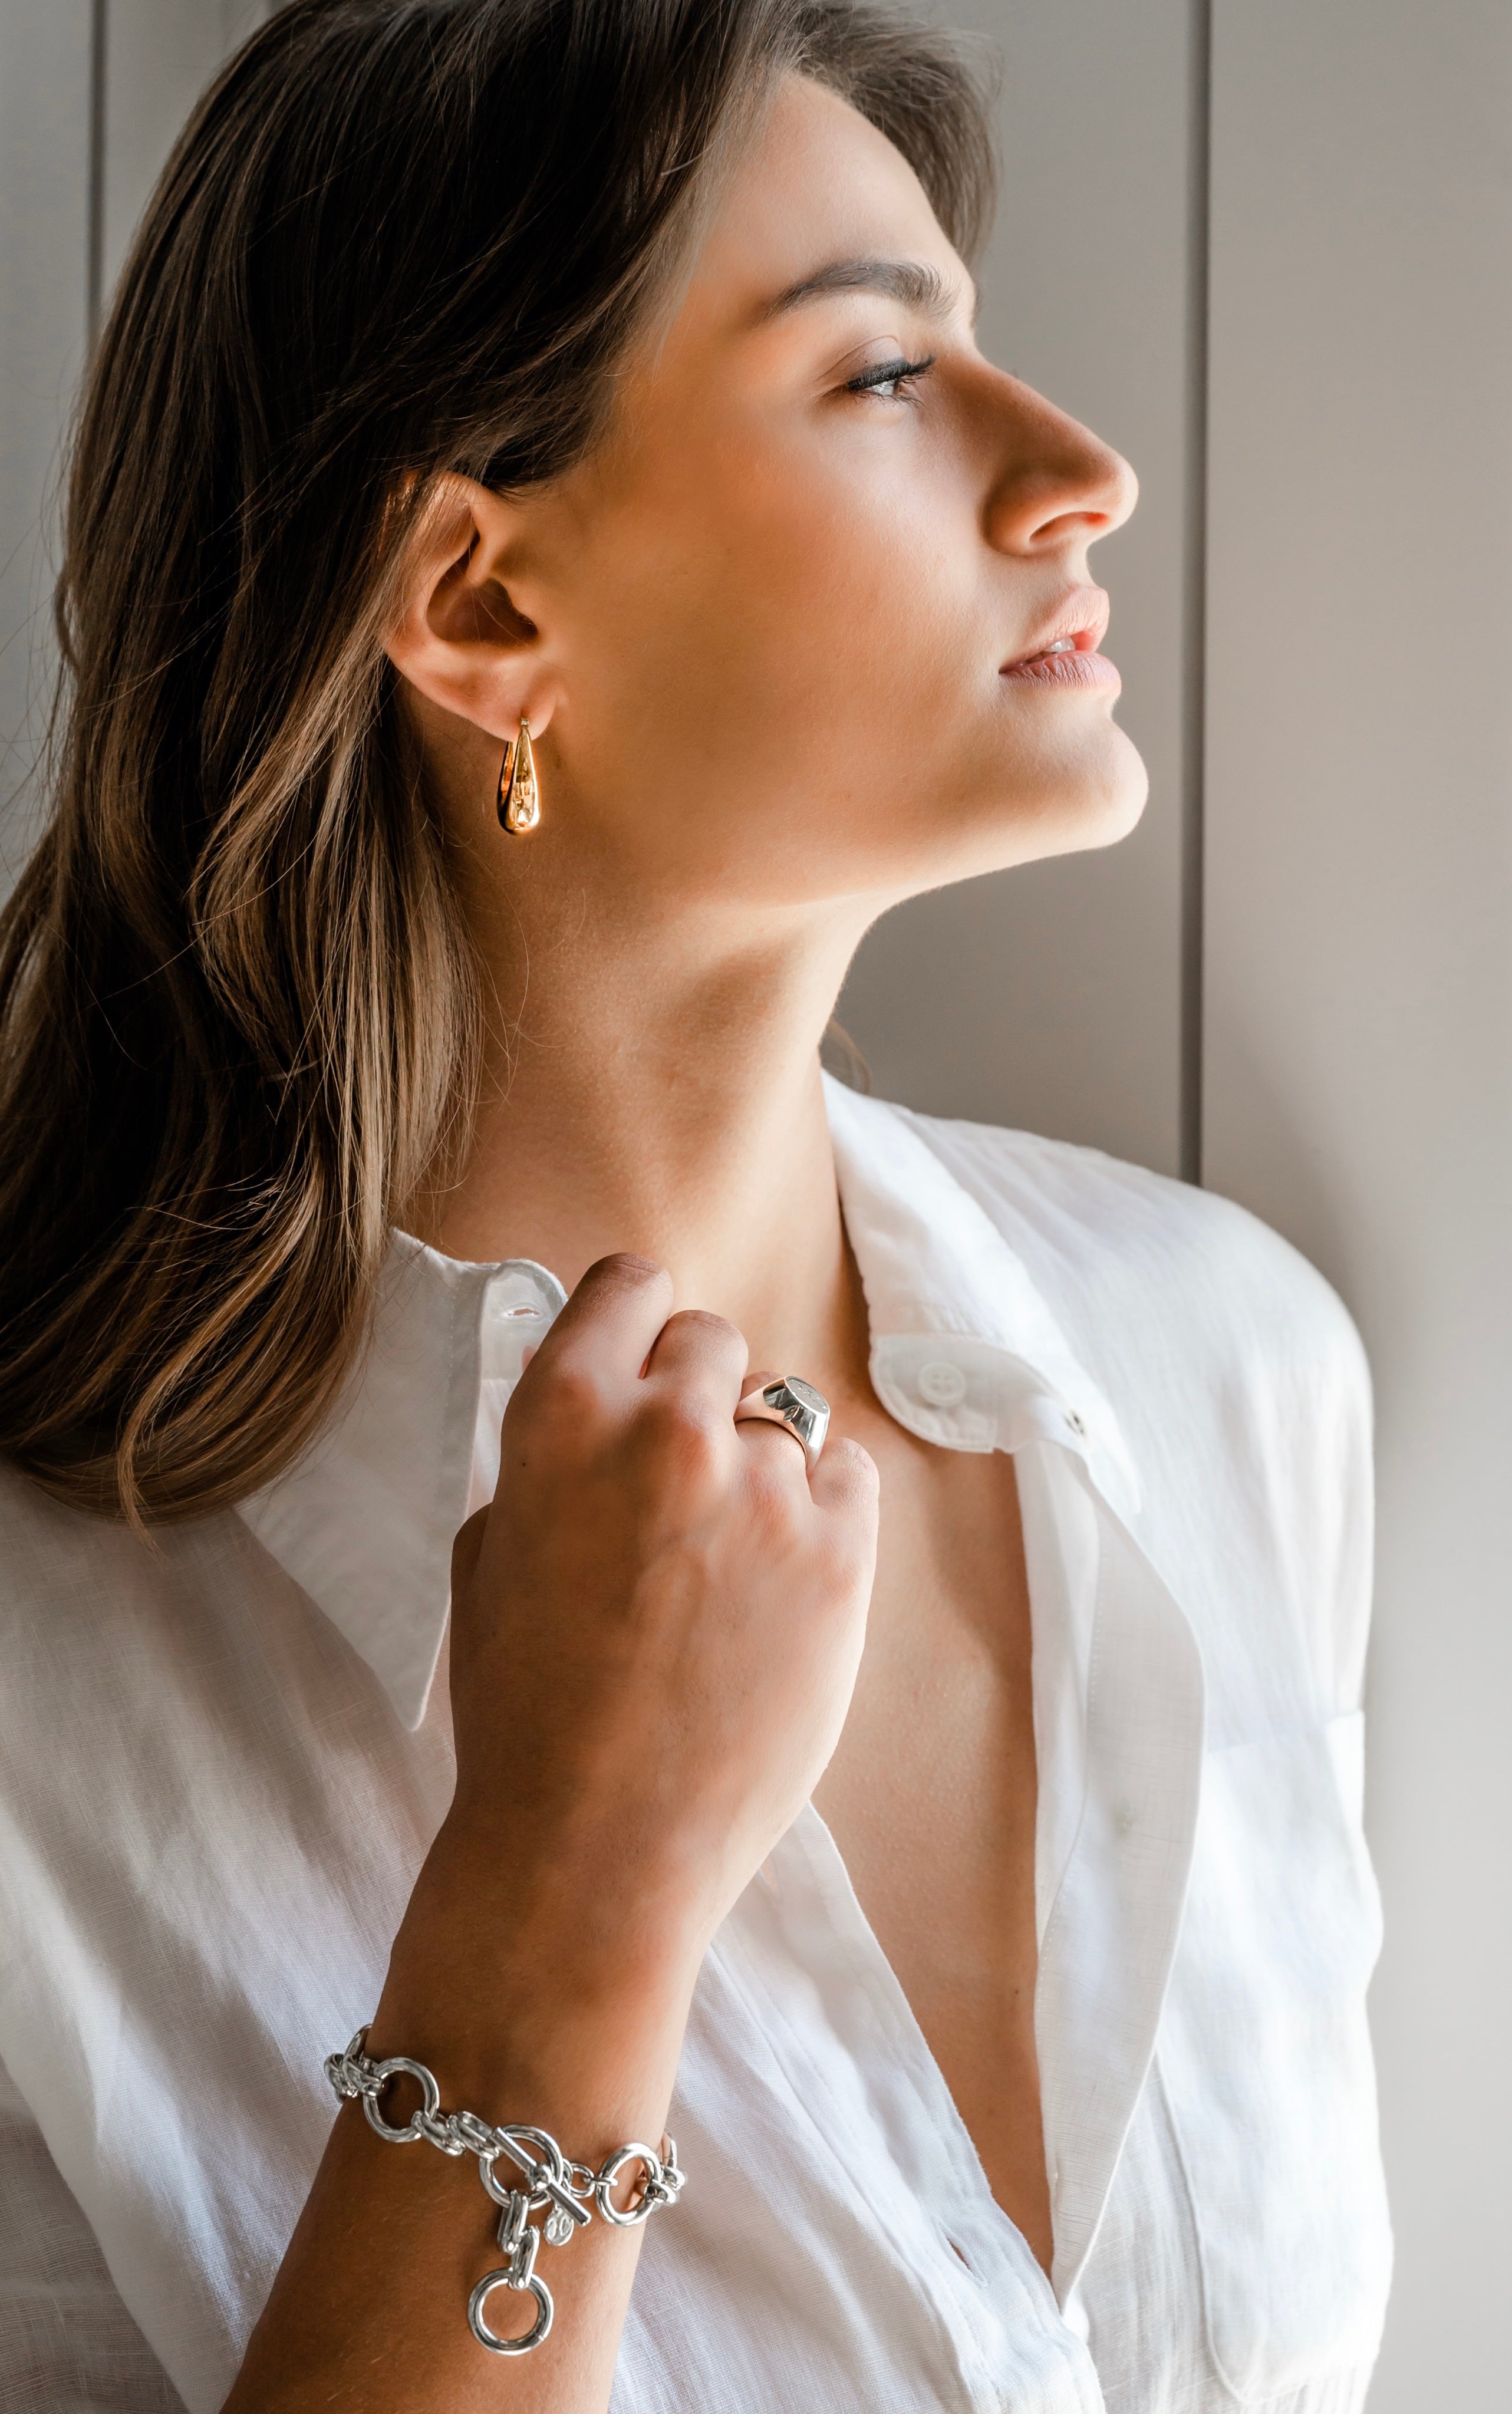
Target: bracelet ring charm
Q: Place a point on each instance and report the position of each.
(663, 2182)
(412, 2130)
(489, 2339)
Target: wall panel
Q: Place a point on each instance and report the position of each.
(1358, 1017)
(45, 218)
(160, 55)
(92, 93)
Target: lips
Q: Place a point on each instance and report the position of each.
(1064, 649)
(1076, 668)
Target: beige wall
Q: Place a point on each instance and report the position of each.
(1357, 1028)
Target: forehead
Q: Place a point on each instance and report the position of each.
(817, 184)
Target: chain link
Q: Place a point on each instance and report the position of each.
(565, 2191)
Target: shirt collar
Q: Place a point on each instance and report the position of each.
(365, 1521)
(964, 1352)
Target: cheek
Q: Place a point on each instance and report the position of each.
(802, 668)
(797, 633)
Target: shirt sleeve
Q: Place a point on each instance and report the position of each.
(68, 2345)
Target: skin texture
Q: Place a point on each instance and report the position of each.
(761, 639)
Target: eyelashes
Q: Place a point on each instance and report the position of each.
(889, 374)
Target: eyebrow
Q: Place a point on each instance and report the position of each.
(913, 282)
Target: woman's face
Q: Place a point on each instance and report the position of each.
(792, 616)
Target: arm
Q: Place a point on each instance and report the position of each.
(656, 1628)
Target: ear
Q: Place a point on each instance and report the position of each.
(465, 638)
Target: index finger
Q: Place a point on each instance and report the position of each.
(610, 1324)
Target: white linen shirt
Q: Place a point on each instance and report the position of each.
(223, 1757)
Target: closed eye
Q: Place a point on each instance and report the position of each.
(889, 378)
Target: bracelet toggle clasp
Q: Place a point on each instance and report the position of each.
(566, 2192)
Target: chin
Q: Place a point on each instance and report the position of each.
(1088, 804)
(1095, 804)
(1113, 812)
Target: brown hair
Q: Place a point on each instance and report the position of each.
(237, 1022)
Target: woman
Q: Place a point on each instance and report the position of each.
(547, 565)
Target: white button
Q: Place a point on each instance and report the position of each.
(1077, 1423)
(941, 1384)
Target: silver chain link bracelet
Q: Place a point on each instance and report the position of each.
(566, 2192)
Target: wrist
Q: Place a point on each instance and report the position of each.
(585, 1897)
(537, 1994)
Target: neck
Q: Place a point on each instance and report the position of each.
(651, 1083)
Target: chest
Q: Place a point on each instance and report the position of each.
(932, 1795)
(933, 1780)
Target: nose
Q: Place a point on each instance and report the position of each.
(1054, 484)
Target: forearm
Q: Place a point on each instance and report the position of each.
(530, 2006)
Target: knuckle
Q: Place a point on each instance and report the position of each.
(625, 1266)
(701, 1324)
(675, 1425)
(570, 1393)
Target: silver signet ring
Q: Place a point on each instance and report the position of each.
(787, 1400)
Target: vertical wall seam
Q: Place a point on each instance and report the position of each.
(1194, 584)
(94, 234)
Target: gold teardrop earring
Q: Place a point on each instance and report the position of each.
(519, 790)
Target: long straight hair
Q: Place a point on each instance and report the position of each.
(238, 1023)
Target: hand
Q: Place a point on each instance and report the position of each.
(656, 1625)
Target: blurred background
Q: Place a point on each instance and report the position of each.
(1265, 250)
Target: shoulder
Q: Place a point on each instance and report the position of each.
(104, 1627)
(1240, 1387)
(86, 1605)
(64, 1559)
(52, 1558)
(1118, 1249)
